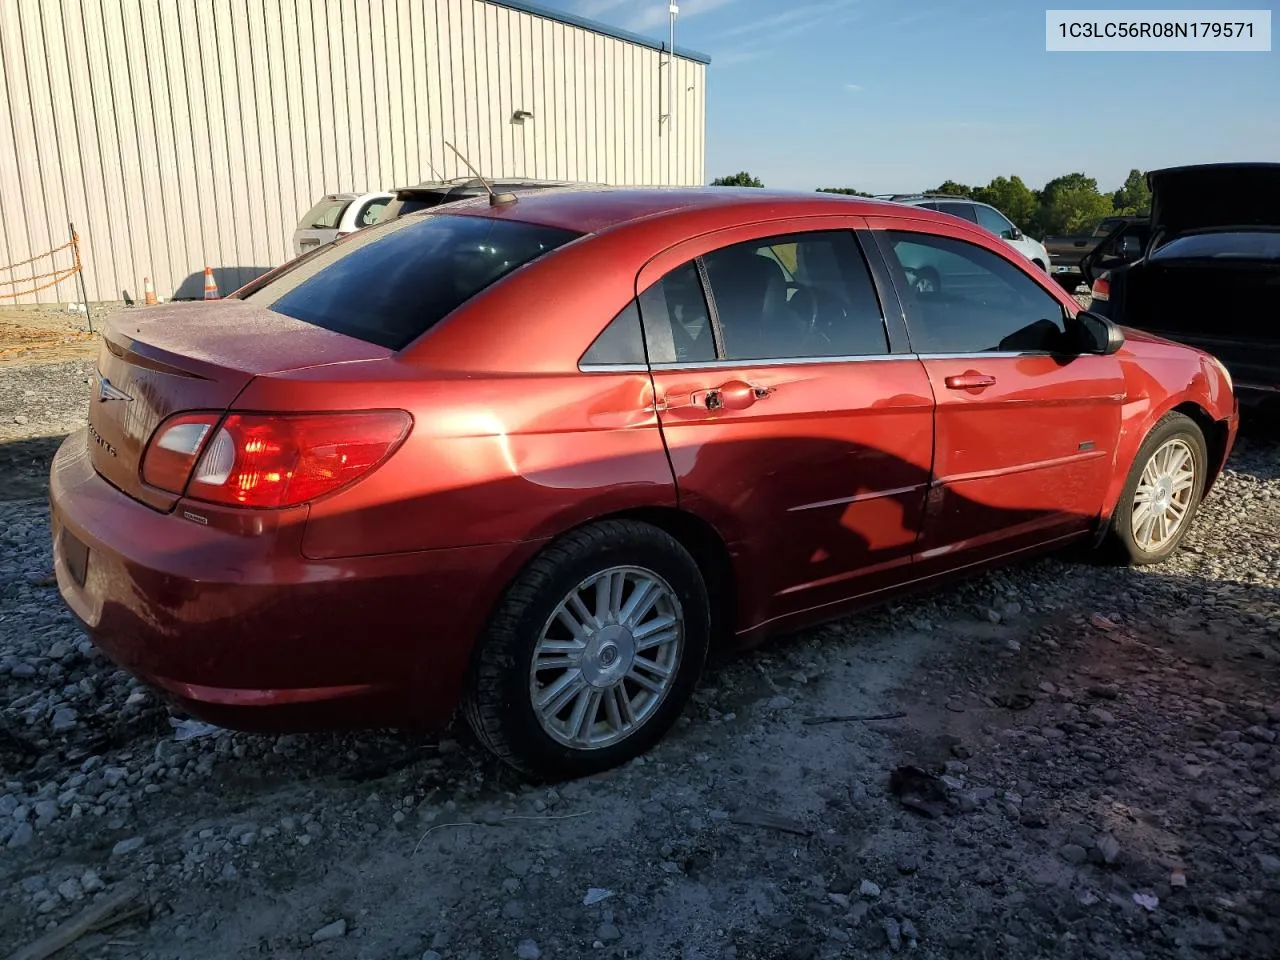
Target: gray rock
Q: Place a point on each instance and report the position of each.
(330, 931)
(90, 882)
(46, 811)
(869, 889)
(780, 703)
(70, 890)
(8, 804)
(22, 835)
(1270, 864)
(1104, 717)
(528, 950)
(1073, 853)
(127, 846)
(1108, 849)
(892, 933)
(433, 955)
(64, 720)
(607, 932)
(23, 671)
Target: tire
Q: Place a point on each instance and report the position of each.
(499, 700)
(1180, 434)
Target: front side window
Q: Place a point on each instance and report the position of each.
(392, 282)
(798, 296)
(966, 299)
(995, 222)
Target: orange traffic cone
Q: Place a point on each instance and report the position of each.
(210, 285)
(148, 292)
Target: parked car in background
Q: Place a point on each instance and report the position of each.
(427, 195)
(1066, 252)
(336, 215)
(984, 215)
(1204, 270)
(538, 457)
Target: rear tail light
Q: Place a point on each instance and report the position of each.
(170, 458)
(273, 460)
(1101, 289)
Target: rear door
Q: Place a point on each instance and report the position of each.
(1025, 431)
(795, 419)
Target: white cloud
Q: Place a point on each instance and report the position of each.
(853, 87)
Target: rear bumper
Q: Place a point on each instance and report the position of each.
(241, 630)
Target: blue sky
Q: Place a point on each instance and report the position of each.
(887, 95)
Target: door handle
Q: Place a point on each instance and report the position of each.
(970, 380)
(734, 395)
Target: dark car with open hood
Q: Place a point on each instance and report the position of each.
(1204, 270)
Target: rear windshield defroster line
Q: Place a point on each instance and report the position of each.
(401, 278)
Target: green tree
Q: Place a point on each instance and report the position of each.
(953, 188)
(740, 179)
(847, 191)
(1011, 197)
(1134, 196)
(1072, 204)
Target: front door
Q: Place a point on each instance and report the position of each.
(796, 421)
(1026, 427)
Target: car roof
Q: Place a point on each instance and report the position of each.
(595, 208)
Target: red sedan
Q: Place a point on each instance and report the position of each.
(535, 456)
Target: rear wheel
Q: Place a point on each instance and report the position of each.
(592, 653)
(1162, 494)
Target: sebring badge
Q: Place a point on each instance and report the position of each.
(108, 391)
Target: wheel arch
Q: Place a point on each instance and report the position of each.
(1216, 436)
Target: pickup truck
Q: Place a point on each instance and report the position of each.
(1065, 253)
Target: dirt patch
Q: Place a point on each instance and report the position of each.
(31, 335)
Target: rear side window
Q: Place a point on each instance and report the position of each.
(390, 283)
(324, 215)
(372, 212)
(964, 210)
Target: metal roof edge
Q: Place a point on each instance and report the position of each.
(595, 26)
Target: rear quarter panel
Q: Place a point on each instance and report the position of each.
(508, 458)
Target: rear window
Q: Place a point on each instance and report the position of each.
(324, 215)
(1241, 245)
(392, 282)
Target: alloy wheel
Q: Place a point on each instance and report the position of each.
(1163, 498)
(607, 657)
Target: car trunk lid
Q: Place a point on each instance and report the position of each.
(157, 361)
(1214, 195)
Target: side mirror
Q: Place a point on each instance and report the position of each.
(1100, 334)
(1129, 246)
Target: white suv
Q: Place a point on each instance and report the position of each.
(984, 215)
(335, 215)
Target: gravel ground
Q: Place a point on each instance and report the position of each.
(1099, 756)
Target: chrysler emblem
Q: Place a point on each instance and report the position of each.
(108, 391)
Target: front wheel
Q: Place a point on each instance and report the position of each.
(1162, 494)
(592, 653)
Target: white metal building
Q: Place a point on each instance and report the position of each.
(179, 134)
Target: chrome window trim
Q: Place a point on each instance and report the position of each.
(802, 361)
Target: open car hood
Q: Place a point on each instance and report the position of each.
(1214, 195)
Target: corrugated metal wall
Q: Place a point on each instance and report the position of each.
(177, 134)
